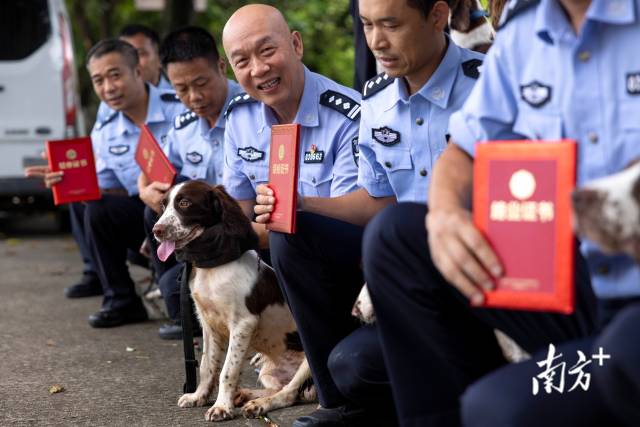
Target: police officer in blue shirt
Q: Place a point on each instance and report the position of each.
(403, 130)
(266, 59)
(194, 143)
(569, 76)
(114, 224)
(146, 42)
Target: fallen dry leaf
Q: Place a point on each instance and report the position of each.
(56, 388)
(51, 343)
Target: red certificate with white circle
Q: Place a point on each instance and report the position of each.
(283, 176)
(522, 205)
(75, 158)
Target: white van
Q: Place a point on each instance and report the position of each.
(38, 94)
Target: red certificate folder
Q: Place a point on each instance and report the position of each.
(521, 202)
(152, 160)
(75, 158)
(283, 176)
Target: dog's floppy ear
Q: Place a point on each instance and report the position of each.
(461, 15)
(214, 205)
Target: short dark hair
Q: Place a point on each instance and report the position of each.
(106, 46)
(424, 6)
(188, 43)
(134, 29)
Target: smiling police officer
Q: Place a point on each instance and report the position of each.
(266, 58)
(114, 224)
(195, 144)
(403, 131)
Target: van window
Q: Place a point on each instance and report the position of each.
(24, 27)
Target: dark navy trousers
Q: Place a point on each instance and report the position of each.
(166, 273)
(76, 213)
(112, 226)
(319, 271)
(433, 343)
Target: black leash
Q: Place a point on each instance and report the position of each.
(186, 313)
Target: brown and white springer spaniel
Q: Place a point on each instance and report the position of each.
(238, 302)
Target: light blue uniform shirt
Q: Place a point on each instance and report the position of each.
(541, 81)
(195, 148)
(329, 115)
(115, 140)
(104, 111)
(402, 136)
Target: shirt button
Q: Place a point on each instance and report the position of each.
(593, 137)
(387, 164)
(216, 143)
(584, 56)
(423, 172)
(252, 177)
(220, 175)
(419, 121)
(193, 176)
(313, 179)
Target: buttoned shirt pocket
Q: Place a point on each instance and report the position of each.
(257, 172)
(399, 167)
(534, 125)
(192, 171)
(315, 180)
(628, 135)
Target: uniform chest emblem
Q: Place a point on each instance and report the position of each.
(194, 157)
(633, 83)
(313, 155)
(118, 150)
(355, 150)
(250, 154)
(535, 94)
(386, 136)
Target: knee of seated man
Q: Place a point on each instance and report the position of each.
(348, 370)
(617, 341)
(95, 212)
(486, 404)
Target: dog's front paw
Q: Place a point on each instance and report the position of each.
(254, 408)
(190, 400)
(218, 413)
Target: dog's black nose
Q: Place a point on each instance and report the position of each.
(584, 198)
(158, 230)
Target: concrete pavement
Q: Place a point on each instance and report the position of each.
(123, 376)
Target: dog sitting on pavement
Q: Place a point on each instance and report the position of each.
(238, 301)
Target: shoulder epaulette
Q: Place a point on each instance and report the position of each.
(341, 103)
(184, 119)
(169, 97)
(106, 120)
(375, 85)
(470, 68)
(239, 99)
(513, 8)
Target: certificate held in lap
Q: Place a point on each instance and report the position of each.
(75, 158)
(152, 160)
(283, 176)
(521, 203)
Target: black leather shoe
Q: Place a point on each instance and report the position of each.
(342, 416)
(89, 286)
(108, 318)
(171, 331)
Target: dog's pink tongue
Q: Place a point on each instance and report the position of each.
(165, 250)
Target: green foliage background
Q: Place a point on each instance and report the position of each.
(326, 28)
